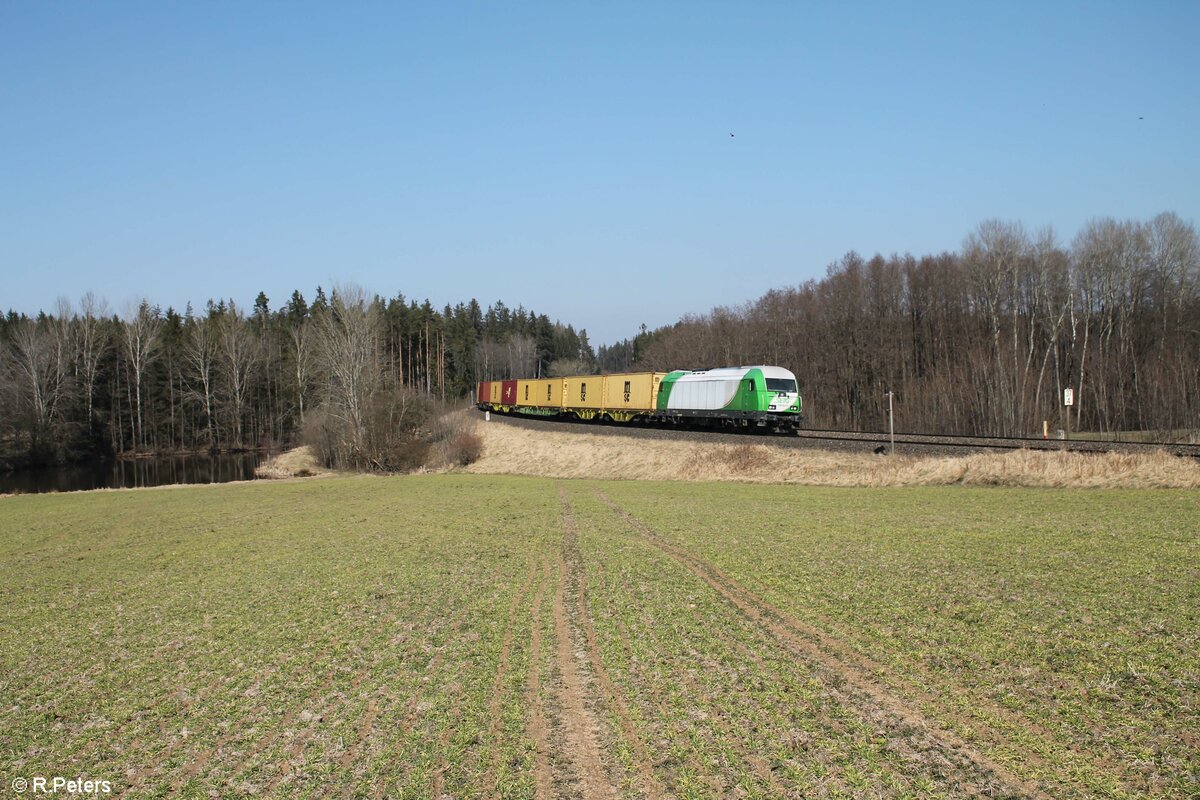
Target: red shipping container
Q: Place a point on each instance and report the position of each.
(508, 393)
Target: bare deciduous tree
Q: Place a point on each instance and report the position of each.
(92, 344)
(142, 328)
(301, 340)
(35, 359)
(199, 354)
(347, 338)
(237, 355)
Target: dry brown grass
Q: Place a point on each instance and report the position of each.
(511, 450)
(299, 462)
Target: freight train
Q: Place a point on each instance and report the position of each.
(759, 397)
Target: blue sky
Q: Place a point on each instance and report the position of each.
(572, 157)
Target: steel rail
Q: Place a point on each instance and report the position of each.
(1000, 442)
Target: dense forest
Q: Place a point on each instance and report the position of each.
(982, 341)
(85, 381)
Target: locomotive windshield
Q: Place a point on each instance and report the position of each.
(781, 385)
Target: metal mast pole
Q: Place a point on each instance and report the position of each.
(891, 424)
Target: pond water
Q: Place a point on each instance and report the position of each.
(121, 473)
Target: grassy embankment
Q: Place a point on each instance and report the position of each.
(509, 637)
(551, 453)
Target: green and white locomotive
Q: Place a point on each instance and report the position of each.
(758, 396)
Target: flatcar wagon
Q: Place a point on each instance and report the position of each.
(741, 397)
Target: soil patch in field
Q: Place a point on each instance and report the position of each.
(516, 450)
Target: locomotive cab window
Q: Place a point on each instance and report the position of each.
(781, 385)
(751, 385)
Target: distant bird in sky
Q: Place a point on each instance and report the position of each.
(1141, 117)
(731, 136)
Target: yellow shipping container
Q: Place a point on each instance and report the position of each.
(494, 388)
(540, 393)
(621, 395)
(634, 391)
(583, 391)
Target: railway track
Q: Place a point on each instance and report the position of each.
(977, 443)
(855, 441)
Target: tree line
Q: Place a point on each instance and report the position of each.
(982, 341)
(84, 381)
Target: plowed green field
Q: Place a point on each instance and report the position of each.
(472, 636)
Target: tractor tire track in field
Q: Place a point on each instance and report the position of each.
(288, 767)
(822, 711)
(264, 743)
(583, 633)
(727, 727)
(167, 729)
(377, 703)
(927, 742)
(1070, 758)
(496, 700)
(202, 759)
(654, 702)
(577, 760)
(732, 728)
(438, 780)
(414, 710)
(537, 727)
(167, 732)
(736, 731)
(137, 777)
(437, 789)
(154, 768)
